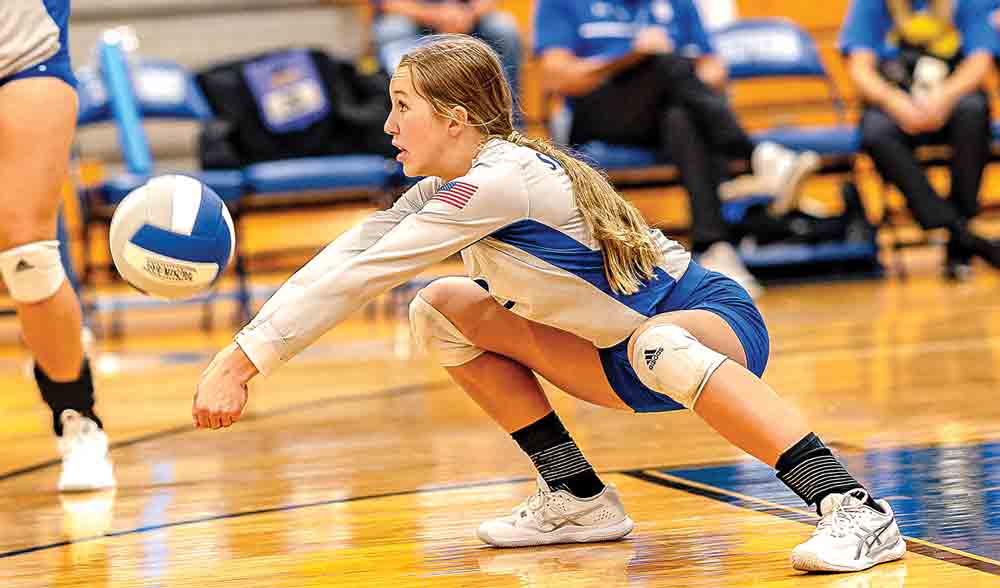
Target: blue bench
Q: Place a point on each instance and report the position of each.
(127, 90)
(761, 49)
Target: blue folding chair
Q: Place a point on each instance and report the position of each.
(290, 95)
(774, 48)
(117, 91)
(756, 49)
(128, 92)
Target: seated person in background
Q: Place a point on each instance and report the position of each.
(399, 24)
(644, 73)
(920, 69)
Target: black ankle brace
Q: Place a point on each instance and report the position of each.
(75, 395)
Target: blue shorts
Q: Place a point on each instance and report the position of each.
(698, 289)
(57, 66)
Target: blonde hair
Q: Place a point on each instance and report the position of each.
(457, 70)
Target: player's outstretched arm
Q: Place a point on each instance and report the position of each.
(222, 390)
(456, 216)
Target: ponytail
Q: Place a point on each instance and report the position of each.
(630, 255)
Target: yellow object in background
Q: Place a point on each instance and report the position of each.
(921, 29)
(934, 30)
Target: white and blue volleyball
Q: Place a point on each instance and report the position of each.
(172, 238)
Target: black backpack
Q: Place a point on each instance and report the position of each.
(288, 104)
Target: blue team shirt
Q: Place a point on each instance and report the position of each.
(869, 22)
(992, 15)
(606, 28)
(59, 11)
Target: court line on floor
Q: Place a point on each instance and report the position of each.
(648, 474)
(256, 416)
(746, 501)
(292, 507)
(262, 511)
(919, 546)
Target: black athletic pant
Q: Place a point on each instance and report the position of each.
(968, 134)
(661, 103)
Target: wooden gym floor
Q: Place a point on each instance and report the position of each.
(360, 464)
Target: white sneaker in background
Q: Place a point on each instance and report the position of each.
(851, 536)
(782, 172)
(548, 517)
(84, 447)
(722, 257)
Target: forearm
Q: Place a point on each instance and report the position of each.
(313, 302)
(968, 76)
(261, 340)
(296, 318)
(574, 76)
(333, 256)
(870, 84)
(389, 248)
(345, 248)
(342, 251)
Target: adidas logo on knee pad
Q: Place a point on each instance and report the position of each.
(686, 367)
(651, 356)
(32, 272)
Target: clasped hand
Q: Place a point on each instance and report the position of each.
(652, 40)
(925, 114)
(222, 390)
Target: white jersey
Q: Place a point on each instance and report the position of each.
(513, 217)
(28, 34)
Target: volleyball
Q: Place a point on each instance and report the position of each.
(172, 237)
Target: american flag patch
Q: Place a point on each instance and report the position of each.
(456, 193)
